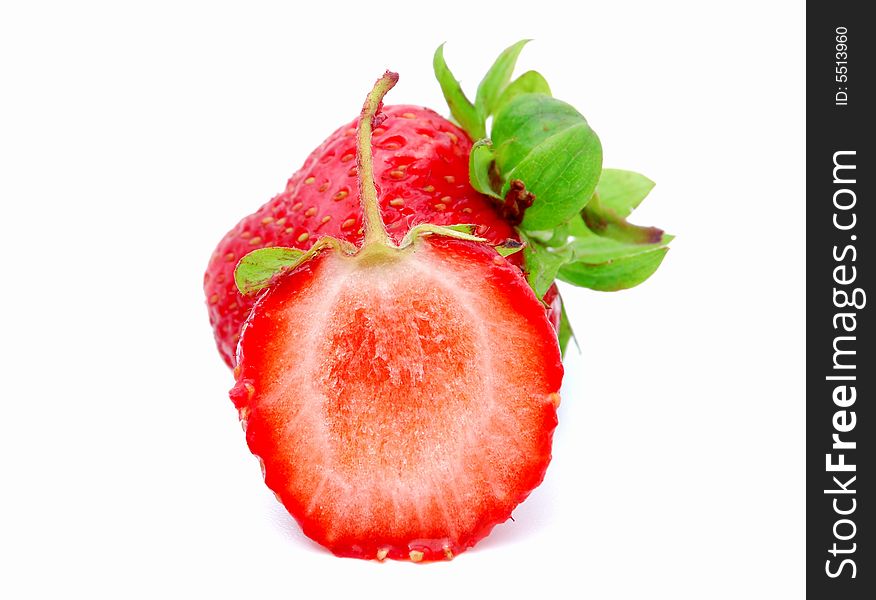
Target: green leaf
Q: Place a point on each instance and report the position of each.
(494, 82)
(621, 191)
(549, 146)
(480, 167)
(530, 82)
(565, 332)
(460, 106)
(256, 270)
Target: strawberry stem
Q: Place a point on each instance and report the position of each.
(375, 230)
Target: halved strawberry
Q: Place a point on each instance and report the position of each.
(375, 386)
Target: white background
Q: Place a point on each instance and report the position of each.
(132, 138)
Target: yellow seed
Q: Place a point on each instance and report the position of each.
(429, 189)
(392, 146)
(231, 307)
(352, 172)
(310, 180)
(440, 206)
(347, 157)
(450, 179)
(214, 298)
(409, 115)
(348, 223)
(453, 137)
(323, 187)
(236, 371)
(378, 131)
(397, 202)
(350, 131)
(289, 230)
(554, 399)
(254, 241)
(341, 195)
(281, 222)
(267, 220)
(448, 553)
(310, 211)
(416, 555)
(396, 174)
(229, 257)
(297, 206)
(303, 237)
(246, 235)
(381, 554)
(445, 198)
(466, 210)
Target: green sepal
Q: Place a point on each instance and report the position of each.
(530, 82)
(256, 270)
(565, 333)
(480, 168)
(549, 146)
(459, 232)
(460, 106)
(509, 247)
(493, 84)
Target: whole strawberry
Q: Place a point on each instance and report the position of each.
(421, 165)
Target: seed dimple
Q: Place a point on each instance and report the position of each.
(303, 237)
(310, 180)
(348, 224)
(350, 131)
(310, 211)
(324, 186)
(347, 157)
(256, 240)
(341, 195)
(352, 172)
(397, 202)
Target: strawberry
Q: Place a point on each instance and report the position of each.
(373, 380)
(421, 164)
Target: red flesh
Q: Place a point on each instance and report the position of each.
(382, 403)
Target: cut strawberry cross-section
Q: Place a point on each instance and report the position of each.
(401, 397)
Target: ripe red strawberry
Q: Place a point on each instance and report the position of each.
(375, 386)
(421, 162)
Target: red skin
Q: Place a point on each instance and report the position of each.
(508, 451)
(421, 170)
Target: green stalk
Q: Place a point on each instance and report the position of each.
(375, 230)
